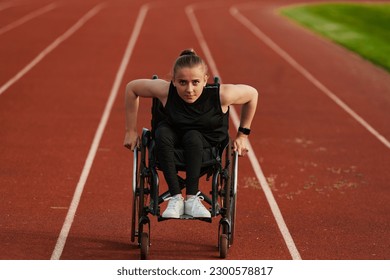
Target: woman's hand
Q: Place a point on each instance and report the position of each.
(240, 144)
(131, 140)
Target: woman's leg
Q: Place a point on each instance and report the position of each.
(193, 144)
(166, 140)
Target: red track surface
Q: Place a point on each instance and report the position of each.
(328, 174)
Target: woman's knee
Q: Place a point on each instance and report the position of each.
(193, 138)
(165, 135)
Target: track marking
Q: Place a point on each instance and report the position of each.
(7, 5)
(27, 17)
(252, 157)
(98, 135)
(265, 39)
(51, 47)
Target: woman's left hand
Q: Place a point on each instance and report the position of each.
(240, 144)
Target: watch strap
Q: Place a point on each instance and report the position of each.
(244, 130)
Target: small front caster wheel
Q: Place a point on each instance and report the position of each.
(144, 246)
(223, 246)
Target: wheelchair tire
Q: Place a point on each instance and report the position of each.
(144, 246)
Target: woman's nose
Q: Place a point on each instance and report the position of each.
(190, 87)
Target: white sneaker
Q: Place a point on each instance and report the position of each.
(195, 208)
(175, 207)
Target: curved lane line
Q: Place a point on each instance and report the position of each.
(265, 39)
(99, 133)
(51, 47)
(252, 157)
(27, 18)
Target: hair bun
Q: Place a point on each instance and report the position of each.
(188, 58)
(188, 52)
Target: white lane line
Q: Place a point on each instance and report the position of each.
(252, 157)
(265, 39)
(7, 5)
(27, 18)
(98, 135)
(51, 47)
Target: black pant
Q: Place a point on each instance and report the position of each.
(193, 143)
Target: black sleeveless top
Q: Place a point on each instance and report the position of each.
(204, 115)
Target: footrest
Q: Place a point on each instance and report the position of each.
(185, 217)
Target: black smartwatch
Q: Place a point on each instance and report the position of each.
(244, 130)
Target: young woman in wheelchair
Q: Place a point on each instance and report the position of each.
(196, 118)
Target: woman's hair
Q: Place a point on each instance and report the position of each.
(188, 58)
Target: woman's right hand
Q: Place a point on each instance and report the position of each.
(131, 140)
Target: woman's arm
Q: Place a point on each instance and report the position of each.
(246, 96)
(134, 90)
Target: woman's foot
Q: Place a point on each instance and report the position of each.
(175, 207)
(194, 207)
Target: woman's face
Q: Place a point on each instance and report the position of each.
(189, 82)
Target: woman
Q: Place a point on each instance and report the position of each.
(197, 118)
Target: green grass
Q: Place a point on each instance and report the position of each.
(362, 28)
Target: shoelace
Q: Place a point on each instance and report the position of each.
(197, 202)
(174, 202)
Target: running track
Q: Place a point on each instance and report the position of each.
(314, 187)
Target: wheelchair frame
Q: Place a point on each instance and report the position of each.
(147, 199)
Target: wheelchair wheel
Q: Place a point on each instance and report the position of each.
(140, 193)
(226, 224)
(233, 197)
(135, 206)
(223, 246)
(143, 193)
(144, 246)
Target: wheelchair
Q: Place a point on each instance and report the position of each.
(220, 164)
